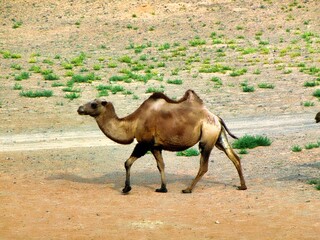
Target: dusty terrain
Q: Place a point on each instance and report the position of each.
(60, 178)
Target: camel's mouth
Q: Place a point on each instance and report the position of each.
(81, 111)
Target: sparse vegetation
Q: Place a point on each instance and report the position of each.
(296, 148)
(250, 142)
(36, 93)
(315, 182)
(189, 152)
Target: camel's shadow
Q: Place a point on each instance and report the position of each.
(144, 179)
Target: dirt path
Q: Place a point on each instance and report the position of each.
(269, 125)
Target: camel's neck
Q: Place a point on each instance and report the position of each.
(118, 130)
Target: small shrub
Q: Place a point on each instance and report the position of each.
(189, 152)
(197, 41)
(311, 84)
(57, 84)
(72, 95)
(308, 104)
(125, 59)
(247, 88)
(36, 94)
(315, 182)
(238, 72)
(311, 146)
(22, 76)
(17, 24)
(112, 65)
(35, 69)
(217, 81)
(67, 66)
(250, 142)
(257, 71)
(153, 89)
(84, 78)
(96, 67)
(266, 85)
(16, 66)
(243, 151)
(78, 61)
(51, 77)
(316, 93)
(165, 46)
(296, 148)
(176, 81)
(17, 86)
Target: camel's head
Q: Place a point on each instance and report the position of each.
(317, 117)
(93, 108)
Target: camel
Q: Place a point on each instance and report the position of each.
(317, 118)
(161, 123)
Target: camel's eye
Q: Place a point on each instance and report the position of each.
(94, 105)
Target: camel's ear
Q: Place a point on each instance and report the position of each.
(104, 103)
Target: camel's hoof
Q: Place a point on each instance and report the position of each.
(187, 191)
(162, 190)
(242, 188)
(126, 189)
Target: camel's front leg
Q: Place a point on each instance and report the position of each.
(139, 150)
(160, 164)
(128, 165)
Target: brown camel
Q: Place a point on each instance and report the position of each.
(161, 123)
(317, 118)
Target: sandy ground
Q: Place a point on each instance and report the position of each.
(60, 178)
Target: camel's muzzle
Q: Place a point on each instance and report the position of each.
(81, 110)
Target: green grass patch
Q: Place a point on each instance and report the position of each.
(250, 142)
(153, 89)
(248, 88)
(296, 148)
(84, 78)
(315, 182)
(17, 86)
(57, 84)
(35, 69)
(22, 76)
(238, 72)
(176, 81)
(51, 77)
(16, 66)
(311, 83)
(266, 85)
(72, 95)
(197, 41)
(79, 60)
(308, 104)
(36, 94)
(312, 145)
(188, 153)
(217, 82)
(206, 68)
(103, 89)
(316, 93)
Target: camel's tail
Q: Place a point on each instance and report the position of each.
(225, 127)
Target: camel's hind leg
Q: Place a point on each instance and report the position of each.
(204, 160)
(224, 145)
(160, 164)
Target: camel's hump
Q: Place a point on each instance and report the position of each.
(189, 95)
